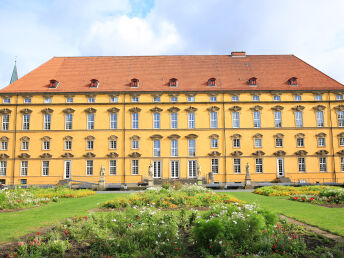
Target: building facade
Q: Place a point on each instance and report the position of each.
(182, 114)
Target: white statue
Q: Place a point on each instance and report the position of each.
(199, 171)
(102, 171)
(150, 170)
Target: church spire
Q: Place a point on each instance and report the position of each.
(14, 76)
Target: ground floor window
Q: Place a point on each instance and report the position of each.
(89, 167)
(3, 168)
(192, 168)
(135, 167)
(67, 169)
(113, 167)
(45, 168)
(156, 169)
(24, 167)
(237, 166)
(301, 164)
(259, 165)
(23, 181)
(342, 164)
(174, 168)
(215, 166)
(322, 164)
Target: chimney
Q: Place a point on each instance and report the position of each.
(238, 54)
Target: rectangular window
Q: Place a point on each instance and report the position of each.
(68, 145)
(213, 119)
(192, 147)
(26, 122)
(91, 100)
(174, 168)
(339, 97)
(298, 119)
(235, 98)
(156, 148)
(156, 169)
(342, 164)
(23, 181)
(279, 142)
(257, 143)
(215, 166)
(24, 167)
(191, 120)
(6, 101)
(237, 166)
(301, 164)
(46, 145)
(322, 164)
(318, 97)
(45, 168)
(214, 143)
(67, 169)
(174, 99)
(135, 99)
(256, 119)
(259, 165)
(277, 98)
(4, 145)
(114, 99)
(27, 100)
(213, 99)
(341, 141)
(320, 118)
(236, 143)
(47, 122)
(278, 119)
(135, 120)
(135, 167)
(3, 168)
(89, 167)
(156, 99)
(156, 120)
(112, 167)
(25, 146)
(174, 148)
(174, 120)
(255, 98)
(300, 142)
(191, 99)
(340, 117)
(192, 168)
(134, 144)
(69, 121)
(113, 144)
(90, 121)
(321, 142)
(69, 100)
(235, 119)
(47, 100)
(89, 144)
(297, 97)
(113, 121)
(5, 122)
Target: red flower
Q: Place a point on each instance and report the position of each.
(86, 218)
(137, 217)
(38, 233)
(210, 246)
(311, 199)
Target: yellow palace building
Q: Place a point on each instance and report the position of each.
(182, 114)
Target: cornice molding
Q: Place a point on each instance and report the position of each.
(214, 154)
(46, 156)
(258, 136)
(299, 135)
(214, 136)
(339, 108)
(340, 153)
(113, 110)
(173, 137)
(134, 137)
(156, 137)
(258, 153)
(256, 108)
(90, 138)
(301, 153)
(298, 108)
(89, 155)
(319, 108)
(112, 138)
(235, 108)
(67, 155)
(47, 111)
(5, 111)
(277, 108)
(46, 138)
(213, 109)
(191, 109)
(24, 156)
(191, 136)
(3, 156)
(236, 153)
(26, 111)
(25, 139)
(134, 155)
(135, 110)
(156, 110)
(173, 109)
(4, 139)
(112, 155)
(322, 153)
(68, 138)
(279, 153)
(236, 136)
(68, 111)
(90, 110)
(279, 136)
(320, 135)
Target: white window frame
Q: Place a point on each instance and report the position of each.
(320, 118)
(278, 119)
(322, 164)
(298, 118)
(156, 120)
(339, 97)
(340, 118)
(173, 99)
(321, 141)
(112, 144)
(3, 167)
(24, 167)
(45, 167)
(191, 98)
(278, 142)
(277, 98)
(156, 148)
(6, 101)
(237, 165)
(134, 144)
(256, 140)
(91, 100)
(24, 145)
(255, 98)
(47, 122)
(257, 119)
(89, 144)
(174, 120)
(90, 121)
(27, 100)
(69, 100)
(174, 168)
(134, 120)
(215, 166)
(259, 165)
(341, 141)
(192, 168)
(46, 145)
(67, 145)
(26, 122)
(236, 143)
(4, 145)
(213, 120)
(5, 122)
(297, 98)
(67, 169)
(156, 99)
(214, 143)
(68, 121)
(113, 99)
(134, 99)
(174, 148)
(192, 147)
(235, 119)
(301, 163)
(112, 167)
(89, 167)
(342, 164)
(134, 166)
(213, 98)
(235, 98)
(300, 142)
(47, 100)
(113, 120)
(191, 120)
(318, 97)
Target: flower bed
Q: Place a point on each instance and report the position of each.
(279, 190)
(26, 198)
(187, 196)
(334, 196)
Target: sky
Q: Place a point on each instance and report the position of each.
(35, 31)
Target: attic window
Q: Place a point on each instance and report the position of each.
(173, 82)
(252, 81)
(134, 83)
(212, 82)
(292, 81)
(53, 84)
(94, 83)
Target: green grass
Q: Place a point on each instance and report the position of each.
(17, 224)
(330, 219)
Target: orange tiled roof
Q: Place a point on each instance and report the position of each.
(192, 72)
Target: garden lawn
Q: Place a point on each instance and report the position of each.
(20, 223)
(330, 219)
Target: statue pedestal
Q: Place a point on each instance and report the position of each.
(150, 182)
(101, 184)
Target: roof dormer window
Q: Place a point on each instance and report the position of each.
(134, 83)
(94, 83)
(212, 82)
(173, 82)
(292, 81)
(53, 84)
(252, 81)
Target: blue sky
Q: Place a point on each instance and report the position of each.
(37, 30)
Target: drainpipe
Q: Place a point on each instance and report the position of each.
(14, 140)
(224, 135)
(331, 134)
(124, 114)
